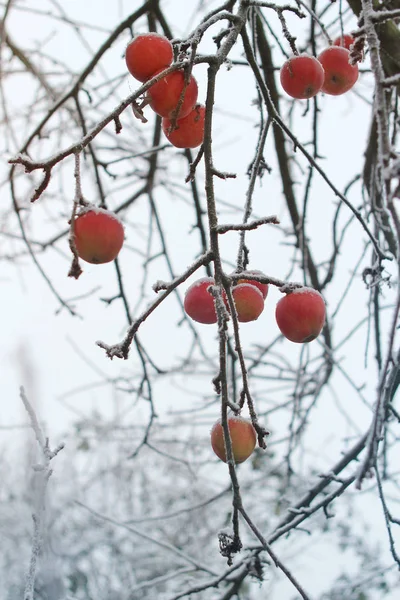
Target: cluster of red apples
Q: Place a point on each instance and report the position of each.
(303, 76)
(171, 97)
(248, 296)
(300, 314)
(98, 234)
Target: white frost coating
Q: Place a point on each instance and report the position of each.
(99, 210)
(21, 156)
(237, 418)
(200, 282)
(302, 55)
(256, 272)
(250, 274)
(249, 285)
(306, 290)
(159, 284)
(149, 34)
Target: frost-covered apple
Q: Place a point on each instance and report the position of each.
(302, 76)
(300, 314)
(164, 95)
(98, 235)
(263, 287)
(147, 54)
(187, 132)
(345, 40)
(340, 75)
(243, 437)
(199, 302)
(249, 302)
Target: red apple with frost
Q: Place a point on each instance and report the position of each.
(98, 235)
(302, 76)
(300, 315)
(340, 75)
(147, 54)
(263, 287)
(249, 302)
(345, 40)
(199, 302)
(243, 438)
(164, 95)
(189, 131)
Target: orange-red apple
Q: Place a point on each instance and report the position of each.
(346, 41)
(98, 235)
(302, 76)
(300, 315)
(249, 302)
(263, 287)
(164, 95)
(340, 75)
(243, 437)
(189, 131)
(147, 54)
(199, 302)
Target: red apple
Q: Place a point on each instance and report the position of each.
(302, 76)
(189, 131)
(98, 235)
(263, 287)
(249, 302)
(199, 302)
(340, 75)
(243, 438)
(164, 95)
(346, 41)
(147, 54)
(300, 314)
